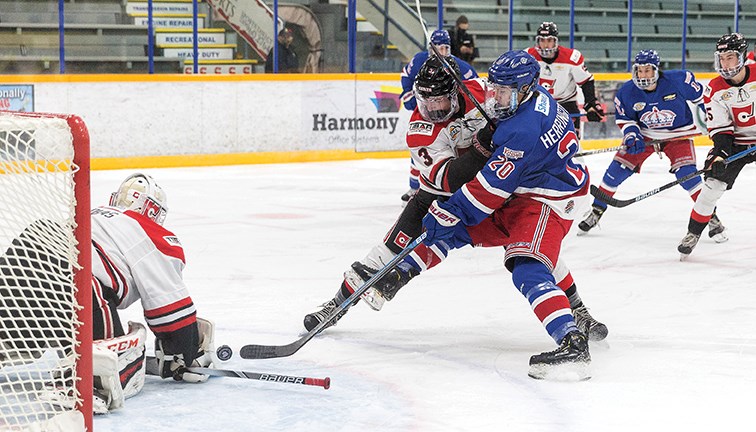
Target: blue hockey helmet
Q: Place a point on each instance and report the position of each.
(730, 43)
(511, 79)
(440, 37)
(646, 58)
(441, 40)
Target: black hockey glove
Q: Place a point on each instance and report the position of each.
(177, 350)
(594, 111)
(722, 150)
(481, 141)
(715, 164)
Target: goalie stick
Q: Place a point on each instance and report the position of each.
(273, 351)
(153, 369)
(614, 202)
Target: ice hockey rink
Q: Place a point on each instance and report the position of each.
(266, 244)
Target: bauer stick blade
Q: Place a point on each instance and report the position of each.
(153, 369)
(599, 194)
(273, 351)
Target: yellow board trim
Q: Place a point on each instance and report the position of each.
(240, 159)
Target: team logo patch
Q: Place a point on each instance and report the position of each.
(638, 106)
(670, 97)
(402, 239)
(548, 84)
(172, 240)
(454, 131)
(657, 118)
(569, 207)
(513, 154)
(727, 95)
(542, 104)
(420, 128)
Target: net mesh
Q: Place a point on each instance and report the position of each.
(38, 322)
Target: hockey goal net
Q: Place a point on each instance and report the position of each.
(45, 274)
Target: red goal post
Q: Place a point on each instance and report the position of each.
(45, 273)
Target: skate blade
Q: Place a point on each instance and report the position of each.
(566, 372)
(374, 299)
(683, 256)
(581, 233)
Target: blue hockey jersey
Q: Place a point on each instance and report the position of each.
(413, 67)
(663, 113)
(532, 158)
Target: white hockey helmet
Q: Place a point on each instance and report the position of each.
(140, 193)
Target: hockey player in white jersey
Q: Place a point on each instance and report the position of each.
(563, 70)
(730, 121)
(135, 258)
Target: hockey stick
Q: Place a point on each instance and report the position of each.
(153, 369)
(599, 194)
(449, 69)
(597, 151)
(272, 351)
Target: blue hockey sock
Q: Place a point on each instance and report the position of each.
(613, 177)
(548, 301)
(692, 184)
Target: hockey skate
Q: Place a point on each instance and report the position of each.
(569, 362)
(717, 230)
(596, 331)
(383, 290)
(325, 310)
(687, 244)
(591, 221)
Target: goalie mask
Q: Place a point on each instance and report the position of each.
(436, 90)
(547, 40)
(729, 58)
(140, 193)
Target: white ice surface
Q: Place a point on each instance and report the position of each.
(265, 244)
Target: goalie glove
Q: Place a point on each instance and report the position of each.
(193, 341)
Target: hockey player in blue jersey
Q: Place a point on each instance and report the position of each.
(533, 190)
(655, 106)
(441, 40)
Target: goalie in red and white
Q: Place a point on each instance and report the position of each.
(135, 258)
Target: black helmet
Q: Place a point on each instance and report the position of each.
(547, 30)
(434, 82)
(733, 42)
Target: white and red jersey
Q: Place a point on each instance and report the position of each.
(750, 58)
(562, 76)
(732, 109)
(140, 260)
(434, 145)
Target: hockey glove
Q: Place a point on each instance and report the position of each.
(439, 223)
(633, 143)
(715, 164)
(176, 350)
(481, 141)
(594, 111)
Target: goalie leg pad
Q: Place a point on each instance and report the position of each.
(129, 352)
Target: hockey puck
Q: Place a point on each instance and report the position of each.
(224, 352)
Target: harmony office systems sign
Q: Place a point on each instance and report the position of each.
(376, 121)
